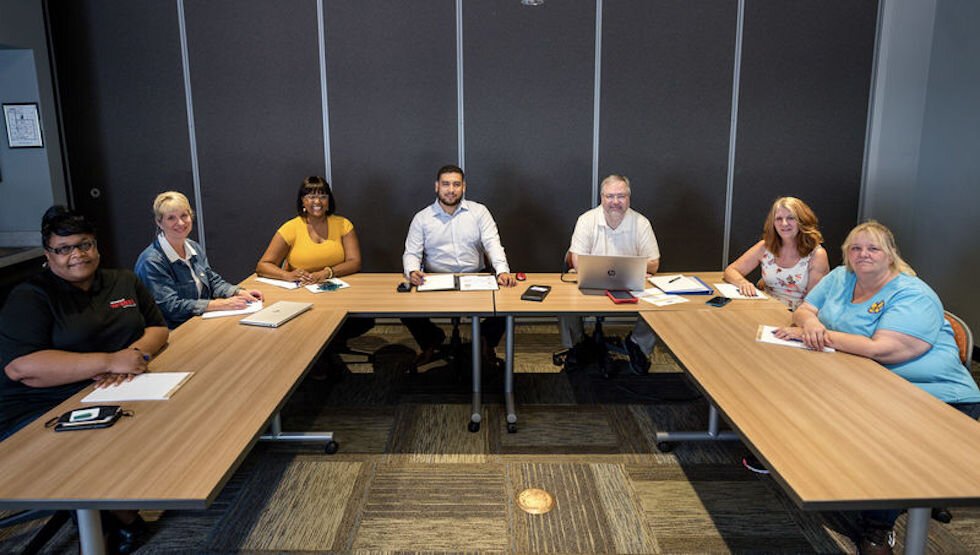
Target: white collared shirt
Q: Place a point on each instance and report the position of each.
(172, 256)
(453, 243)
(633, 237)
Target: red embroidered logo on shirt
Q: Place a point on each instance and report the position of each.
(122, 303)
(876, 307)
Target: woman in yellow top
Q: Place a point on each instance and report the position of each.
(315, 246)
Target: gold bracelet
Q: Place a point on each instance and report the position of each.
(331, 272)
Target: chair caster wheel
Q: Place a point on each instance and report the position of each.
(512, 427)
(664, 447)
(331, 447)
(473, 427)
(942, 515)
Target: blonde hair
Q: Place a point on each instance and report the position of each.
(808, 237)
(881, 236)
(169, 202)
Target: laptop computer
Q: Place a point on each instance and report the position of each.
(276, 315)
(597, 273)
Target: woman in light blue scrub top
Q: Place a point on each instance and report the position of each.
(874, 306)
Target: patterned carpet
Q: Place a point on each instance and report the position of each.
(409, 477)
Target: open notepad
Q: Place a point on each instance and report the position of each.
(438, 282)
(155, 386)
(766, 334)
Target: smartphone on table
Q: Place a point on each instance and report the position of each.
(621, 297)
(717, 301)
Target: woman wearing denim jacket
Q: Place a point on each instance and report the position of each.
(176, 270)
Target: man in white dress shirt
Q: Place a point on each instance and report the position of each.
(613, 229)
(453, 235)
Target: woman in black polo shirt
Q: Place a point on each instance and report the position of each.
(71, 325)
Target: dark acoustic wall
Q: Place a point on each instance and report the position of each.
(122, 100)
(803, 104)
(255, 74)
(391, 81)
(665, 123)
(529, 76)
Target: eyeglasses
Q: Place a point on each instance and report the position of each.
(610, 196)
(65, 250)
(315, 196)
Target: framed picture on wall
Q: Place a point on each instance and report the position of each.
(23, 125)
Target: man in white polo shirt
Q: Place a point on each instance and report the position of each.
(614, 229)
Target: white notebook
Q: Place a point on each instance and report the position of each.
(149, 386)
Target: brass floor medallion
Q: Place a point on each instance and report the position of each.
(535, 501)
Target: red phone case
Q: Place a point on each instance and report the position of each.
(630, 300)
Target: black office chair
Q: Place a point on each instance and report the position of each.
(45, 533)
(602, 347)
(964, 342)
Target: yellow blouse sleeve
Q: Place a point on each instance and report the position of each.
(288, 231)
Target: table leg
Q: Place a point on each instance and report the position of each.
(509, 378)
(917, 530)
(476, 414)
(276, 434)
(90, 532)
(712, 433)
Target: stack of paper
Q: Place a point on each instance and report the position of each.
(767, 334)
(478, 283)
(657, 297)
(730, 291)
(252, 307)
(679, 284)
(278, 283)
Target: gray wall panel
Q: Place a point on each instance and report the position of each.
(528, 112)
(806, 71)
(391, 74)
(122, 98)
(255, 76)
(665, 123)
(948, 190)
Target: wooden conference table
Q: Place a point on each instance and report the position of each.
(837, 432)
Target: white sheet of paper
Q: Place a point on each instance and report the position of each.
(278, 283)
(438, 282)
(665, 300)
(151, 386)
(672, 283)
(315, 288)
(765, 335)
(477, 283)
(252, 307)
(730, 291)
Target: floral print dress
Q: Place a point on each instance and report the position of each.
(786, 284)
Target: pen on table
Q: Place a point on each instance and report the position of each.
(675, 279)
